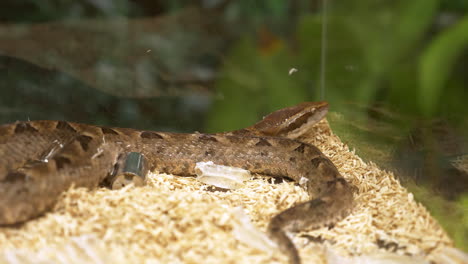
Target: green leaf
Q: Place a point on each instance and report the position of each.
(413, 21)
(436, 65)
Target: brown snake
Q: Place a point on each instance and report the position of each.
(42, 159)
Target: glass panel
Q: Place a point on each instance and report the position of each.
(393, 72)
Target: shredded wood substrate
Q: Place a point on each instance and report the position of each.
(176, 219)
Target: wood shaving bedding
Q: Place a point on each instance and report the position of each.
(179, 220)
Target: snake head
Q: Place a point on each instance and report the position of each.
(291, 122)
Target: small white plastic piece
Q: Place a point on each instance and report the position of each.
(245, 232)
(221, 176)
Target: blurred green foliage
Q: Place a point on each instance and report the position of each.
(253, 87)
(436, 65)
(374, 53)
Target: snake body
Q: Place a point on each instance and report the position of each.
(42, 159)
